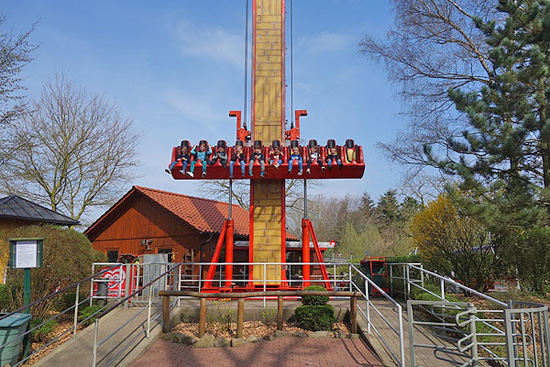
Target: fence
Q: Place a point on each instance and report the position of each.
(70, 312)
(342, 277)
(513, 334)
(134, 329)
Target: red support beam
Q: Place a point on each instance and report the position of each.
(319, 256)
(230, 228)
(215, 257)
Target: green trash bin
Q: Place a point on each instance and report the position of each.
(12, 329)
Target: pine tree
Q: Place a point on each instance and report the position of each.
(504, 154)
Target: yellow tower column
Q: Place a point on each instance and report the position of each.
(267, 222)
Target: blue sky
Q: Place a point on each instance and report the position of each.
(177, 68)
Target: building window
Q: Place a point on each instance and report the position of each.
(112, 256)
(168, 251)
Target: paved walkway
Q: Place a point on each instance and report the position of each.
(78, 351)
(285, 352)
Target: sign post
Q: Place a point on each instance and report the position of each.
(26, 253)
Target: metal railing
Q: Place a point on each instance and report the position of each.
(397, 355)
(51, 298)
(514, 333)
(130, 333)
(342, 277)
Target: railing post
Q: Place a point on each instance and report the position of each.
(422, 275)
(391, 280)
(96, 332)
(353, 314)
(410, 317)
(76, 301)
(367, 297)
(473, 331)
(180, 281)
(401, 337)
(121, 270)
(202, 318)
(404, 284)
(149, 310)
(92, 285)
(408, 283)
(349, 277)
(240, 317)
(442, 288)
(334, 276)
(280, 312)
(265, 284)
(166, 314)
(200, 277)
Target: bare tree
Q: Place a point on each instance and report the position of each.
(434, 45)
(72, 151)
(15, 53)
(219, 190)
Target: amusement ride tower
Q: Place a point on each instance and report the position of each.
(267, 241)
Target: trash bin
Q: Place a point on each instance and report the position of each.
(102, 292)
(12, 329)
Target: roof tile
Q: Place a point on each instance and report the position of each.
(204, 214)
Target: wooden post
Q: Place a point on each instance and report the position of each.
(202, 318)
(240, 317)
(280, 312)
(166, 327)
(353, 314)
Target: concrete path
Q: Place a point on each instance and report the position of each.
(79, 351)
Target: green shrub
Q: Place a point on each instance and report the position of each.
(315, 300)
(4, 298)
(41, 334)
(88, 311)
(68, 257)
(66, 300)
(315, 317)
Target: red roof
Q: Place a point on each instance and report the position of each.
(204, 214)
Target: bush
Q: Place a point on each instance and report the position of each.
(4, 298)
(87, 313)
(315, 300)
(41, 334)
(531, 256)
(68, 257)
(315, 317)
(67, 299)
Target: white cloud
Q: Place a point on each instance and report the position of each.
(213, 42)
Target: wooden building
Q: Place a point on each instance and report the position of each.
(149, 221)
